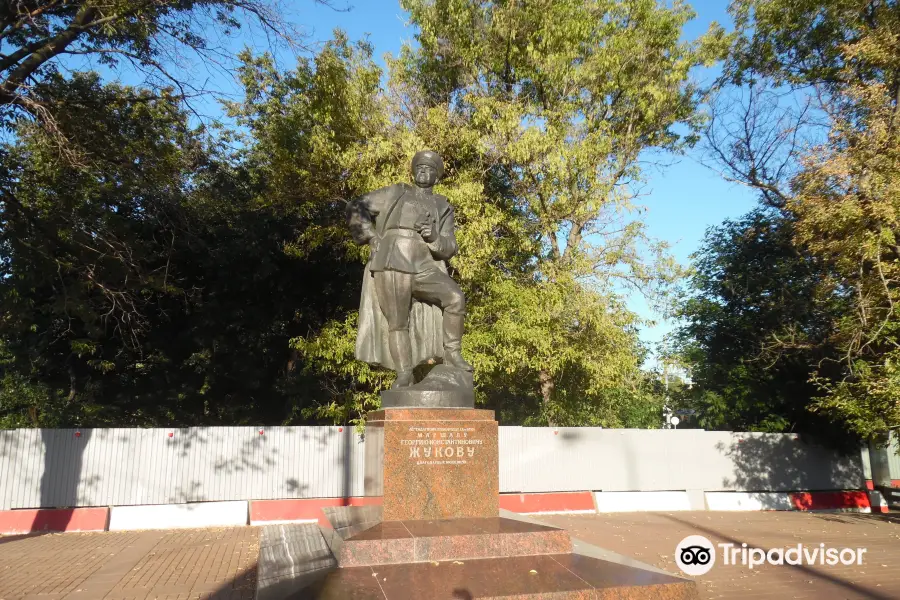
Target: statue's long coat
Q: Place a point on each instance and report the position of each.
(367, 216)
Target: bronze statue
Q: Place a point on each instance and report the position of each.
(410, 310)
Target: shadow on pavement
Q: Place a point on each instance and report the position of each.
(242, 587)
(4, 539)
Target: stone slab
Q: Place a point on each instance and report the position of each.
(556, 576)
(292, 557)
(391, 542)
(433, 463)
(346, 521)
(580, 546)
(344, 517)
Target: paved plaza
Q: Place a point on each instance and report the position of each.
(186, 564)
(652, 537)
(221, 563)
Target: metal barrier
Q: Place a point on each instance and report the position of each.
(45, 468)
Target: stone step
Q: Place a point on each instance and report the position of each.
(557, 576)
(394, 542)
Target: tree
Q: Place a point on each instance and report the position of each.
(755, 330)
(151, 287)
(542, 116)
(87, 250)
(317, 135)
(140, 283)
(171, 279)
(549, 106)
(847, 203)
(841, 195)
(150, 35)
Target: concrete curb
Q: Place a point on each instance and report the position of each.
(548, 503)
(307, 510)
(832, 501)
(740, 501)
(642, 501)
(844, 501)
(179, 516)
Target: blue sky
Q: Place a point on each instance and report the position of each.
(682, 199)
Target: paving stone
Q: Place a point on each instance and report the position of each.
(189, 564)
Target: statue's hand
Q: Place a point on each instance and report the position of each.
(428, 234)
(374, 243)
(424, 226)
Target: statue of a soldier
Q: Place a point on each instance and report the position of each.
(410, 311)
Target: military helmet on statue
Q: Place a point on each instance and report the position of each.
(428, 157)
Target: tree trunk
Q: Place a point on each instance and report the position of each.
(73, 385)
(292, 362)
(547, 386)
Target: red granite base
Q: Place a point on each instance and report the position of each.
(392, 542)
(436, 472)
(489, 558)
(548, 576)
(428, 463)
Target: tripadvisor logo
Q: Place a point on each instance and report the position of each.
(695, 555)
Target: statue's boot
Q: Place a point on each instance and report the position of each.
(401, 352)
(453, 331)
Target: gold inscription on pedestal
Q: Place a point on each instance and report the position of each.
(441, 445)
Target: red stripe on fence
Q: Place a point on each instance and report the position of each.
(53, 519)
(301, 510)
(829, 500)
(556, 502)
(262, 511)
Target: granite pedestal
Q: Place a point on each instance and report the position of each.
(433, 463)
(507, 557)
(438, 532)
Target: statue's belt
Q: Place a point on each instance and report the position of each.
(402, 232)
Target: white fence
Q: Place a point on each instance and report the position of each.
(586, 458)
(116, 467)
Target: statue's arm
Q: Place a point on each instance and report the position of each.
(361, 213)
(444, 247)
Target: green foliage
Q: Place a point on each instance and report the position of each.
(153, 37)
(541, 106)
(805, 42)
(151, 286)
(170, 279)
(842, 198)
(755, 330)
(541, 112)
